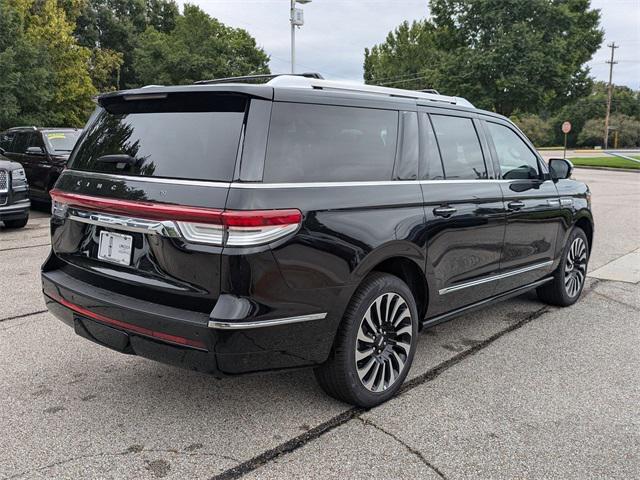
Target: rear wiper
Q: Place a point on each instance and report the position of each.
(121, 158)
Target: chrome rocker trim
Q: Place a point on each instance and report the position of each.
(493, 278)
(226, 325)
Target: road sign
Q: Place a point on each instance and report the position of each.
(566, 127)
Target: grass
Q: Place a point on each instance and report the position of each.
(611, 162)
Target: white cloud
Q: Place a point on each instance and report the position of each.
(336, 32)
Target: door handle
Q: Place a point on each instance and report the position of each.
(517, 205)
(444, 211)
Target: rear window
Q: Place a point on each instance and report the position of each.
(322, 143)
(62, 141)
(185, 136)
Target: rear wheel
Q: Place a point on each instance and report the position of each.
(569, 278)
(20, 223)
(375, 343)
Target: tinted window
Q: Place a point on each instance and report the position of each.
(431, 164)
(460, 147)
(191, 136)
(6, 139)
(61, 141)
(21, 142)
(407, 162)
(316, 143)
(515, 158)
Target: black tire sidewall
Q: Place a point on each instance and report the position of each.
(371, 291)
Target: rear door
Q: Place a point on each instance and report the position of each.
(533, 207)
(464, 210)
(130, 214)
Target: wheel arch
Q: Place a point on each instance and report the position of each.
(585, 223)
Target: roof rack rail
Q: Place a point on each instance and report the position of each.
(263, 78)
(294, 81)
(32, 127)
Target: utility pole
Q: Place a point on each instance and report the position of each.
(297, 20)
(611, 63)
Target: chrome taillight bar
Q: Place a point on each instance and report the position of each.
(231, 228)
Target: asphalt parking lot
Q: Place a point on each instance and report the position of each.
(518, 390)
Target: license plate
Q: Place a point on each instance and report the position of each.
(115, 248)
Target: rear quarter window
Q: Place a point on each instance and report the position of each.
(323, 143)
(183, 136)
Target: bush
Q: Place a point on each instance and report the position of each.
(627, 128)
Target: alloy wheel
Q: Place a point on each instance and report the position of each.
(384, 342)
(575, 269)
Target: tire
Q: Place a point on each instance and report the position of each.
(569, 278)
(386, 352)
(16, 223)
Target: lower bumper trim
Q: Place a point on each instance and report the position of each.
(222, 325)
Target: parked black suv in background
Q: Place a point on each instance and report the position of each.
(234, 228)
(14, 194)
(43, 152)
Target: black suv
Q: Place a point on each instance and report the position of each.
(14, 194)
(233, 228)
(43, 152)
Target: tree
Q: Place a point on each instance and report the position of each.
(117, 25)
(504, 55)
(199, 47)
(625, 101)
(48, 28)
(535, 128)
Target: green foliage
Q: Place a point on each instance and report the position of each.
(609, 162)
(535, 128)
(626, 127)
(55, 55)
(504, 55)
(117, 25)
(624, 101)
(198, 48)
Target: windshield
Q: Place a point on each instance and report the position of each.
(194, 136)
(61, 141)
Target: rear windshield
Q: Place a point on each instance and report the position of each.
(61, 142)
(186, 136)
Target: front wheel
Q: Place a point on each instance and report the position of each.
(375, 344)
(16, 223)
(569, 278)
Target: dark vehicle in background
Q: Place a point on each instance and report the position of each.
(233, 227)
(43, 152)
(14, 194)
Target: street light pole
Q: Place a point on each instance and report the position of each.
(296, 20)
(293, 37)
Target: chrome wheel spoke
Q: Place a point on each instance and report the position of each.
(383, 342)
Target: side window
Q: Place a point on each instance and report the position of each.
(22, 141)
(35, 140)
(407, 162)
(516, 160)
(460, 147)
(6, 139)
(322, 143)
(430, 163)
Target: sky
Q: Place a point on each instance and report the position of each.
(336, 32)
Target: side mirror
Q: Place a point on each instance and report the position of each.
(560, 168)
(35, 151)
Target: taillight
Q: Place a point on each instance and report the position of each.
(233, 228)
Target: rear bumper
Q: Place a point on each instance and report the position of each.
(15, 211)
(186, 338)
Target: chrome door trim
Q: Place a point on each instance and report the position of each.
(258, 185)
(227, 325)
(493, 278)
